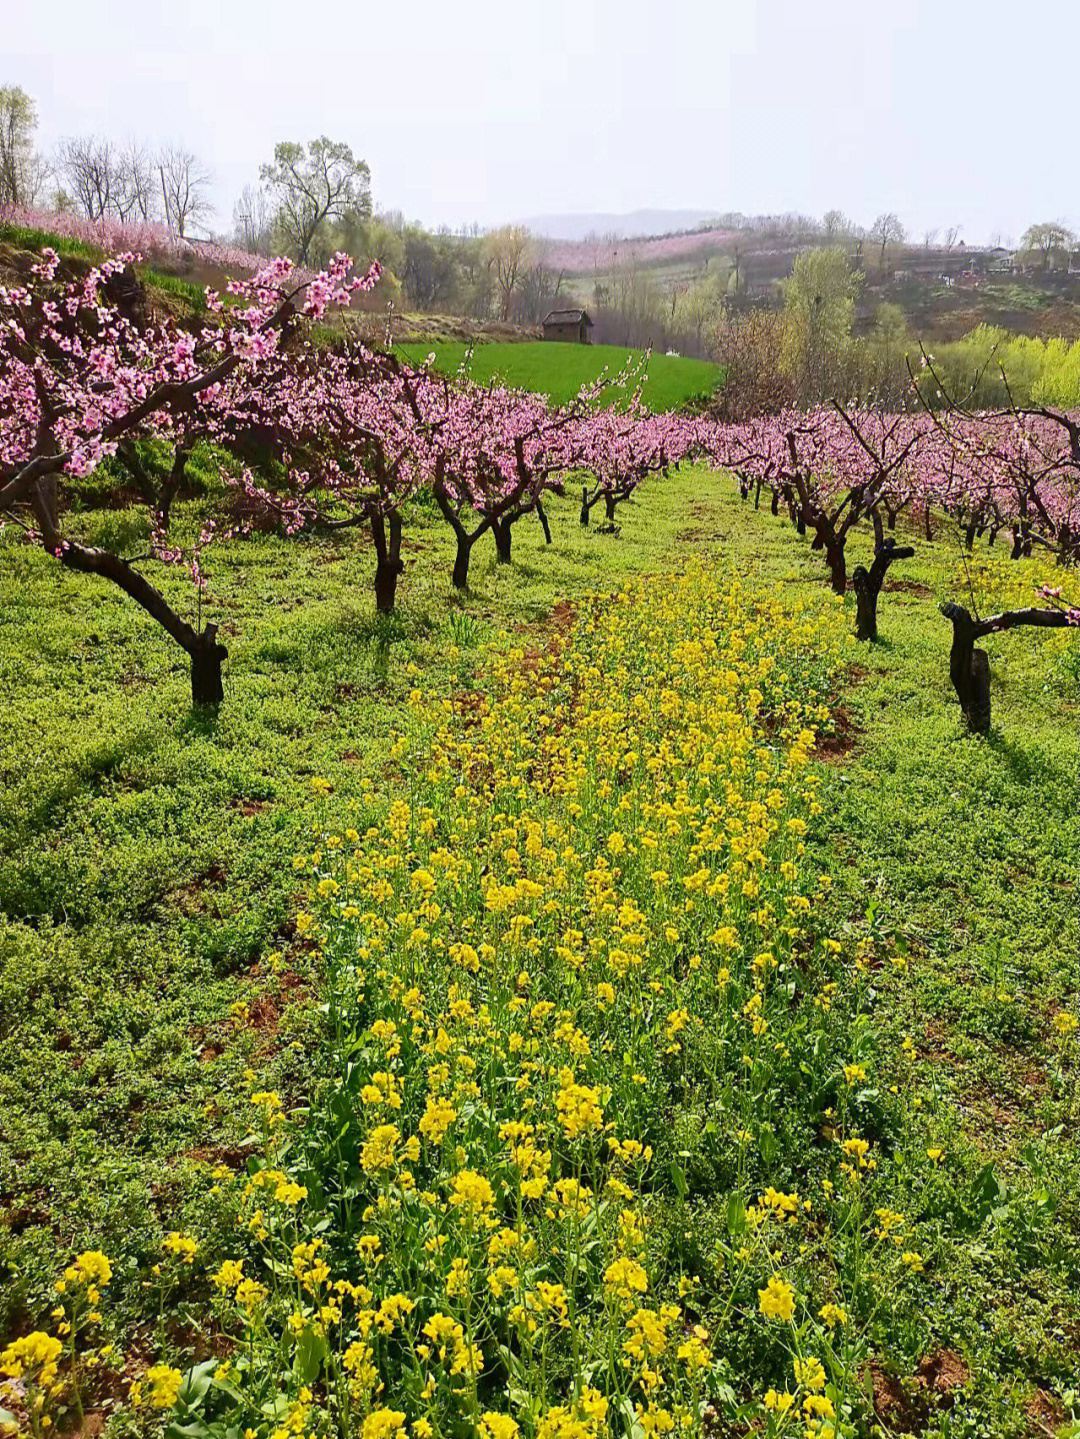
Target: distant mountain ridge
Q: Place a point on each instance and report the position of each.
(635, 225)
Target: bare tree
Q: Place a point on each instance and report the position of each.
(929, 238)
(887, 230)
(952, 234)
(37, 174)
(90, 166)
(253, 223)
(185, 181)
(476, 282)
(538, 288)
(428, 271)
(314, 185)
(508, 249)
(135, 191)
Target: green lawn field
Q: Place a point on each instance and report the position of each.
(151, 971)
(559, 370)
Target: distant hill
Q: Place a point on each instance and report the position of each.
(944, 293)
(638, 223)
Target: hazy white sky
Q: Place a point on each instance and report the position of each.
(947, 111)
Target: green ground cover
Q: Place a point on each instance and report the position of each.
(146, 885)
(559, 370)
(24, 238)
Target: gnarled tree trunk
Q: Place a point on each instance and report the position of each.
(464, 541)
(503, 532)
(206, 655)
(969, 670)
(386, 535)
(867, 584)
(207, 658)
(837, 562)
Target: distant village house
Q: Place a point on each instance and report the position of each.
(570, 325)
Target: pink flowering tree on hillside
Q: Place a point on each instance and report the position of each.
(78, 378)
(1024, 465)
(513, 450)
(816, 466)
(1018, 466)
(888, 445)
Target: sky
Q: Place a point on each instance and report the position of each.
(948, 112)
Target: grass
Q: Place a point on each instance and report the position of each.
(186, 290)
(559, 370)
(145, 880)
(23, 238)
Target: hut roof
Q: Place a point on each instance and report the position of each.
(572, 316)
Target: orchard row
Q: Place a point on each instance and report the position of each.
(320, 433)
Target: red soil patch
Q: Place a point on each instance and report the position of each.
(92, 1425)
(469, 704)
(1047, 1414)
(263, 1015)
(897, 1404)
(16, 1218)
(911, 587)
(248, 807)
(942, 1372)
(835, 747)
(229, 1154)
(562, 615)
(905, 1405)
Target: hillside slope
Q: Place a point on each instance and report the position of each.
(559, 371)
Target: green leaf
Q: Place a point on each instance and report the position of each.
(196, 1429)
(736, 1214)
(309, 1356)
(194, 1386)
